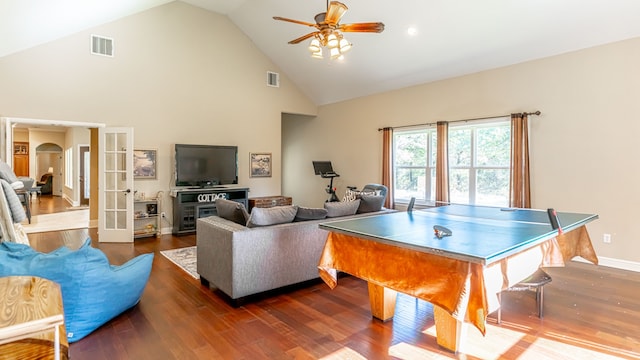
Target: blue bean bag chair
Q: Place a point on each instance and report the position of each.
(93, 291)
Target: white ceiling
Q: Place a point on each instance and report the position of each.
(454, 37)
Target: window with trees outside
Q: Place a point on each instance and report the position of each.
(479, 161)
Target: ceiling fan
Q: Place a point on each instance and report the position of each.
(329, 31)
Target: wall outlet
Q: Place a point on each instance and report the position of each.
(163, 215)
(606, 238)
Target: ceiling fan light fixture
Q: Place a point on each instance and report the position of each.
(317, 54)
(345, 45)
(328, 31)
(335, 53)
(314, 46)
(332, 41)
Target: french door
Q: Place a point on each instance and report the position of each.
(115, 184)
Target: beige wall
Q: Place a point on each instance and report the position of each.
(21, 135)
(180, 75)
(185, 75)
(75, 137)
(583, 146)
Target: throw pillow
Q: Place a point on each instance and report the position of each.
(344, 208)
(305, 213)
(272, 216)
(370, 203)
(232, 211)
(6, 172)
(93, 291)
(350, 195)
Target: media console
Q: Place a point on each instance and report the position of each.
(191, 203)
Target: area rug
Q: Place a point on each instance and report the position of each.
(185, 258)
(57, 221)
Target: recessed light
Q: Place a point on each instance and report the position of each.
(412, 31)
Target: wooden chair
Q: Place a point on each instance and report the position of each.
(535, 282)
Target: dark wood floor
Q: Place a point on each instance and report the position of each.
(591, 312)
(47, 204)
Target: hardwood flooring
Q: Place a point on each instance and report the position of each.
(591, 312)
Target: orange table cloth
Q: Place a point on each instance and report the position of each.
(467, 290)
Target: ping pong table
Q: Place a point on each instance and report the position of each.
(489, 250)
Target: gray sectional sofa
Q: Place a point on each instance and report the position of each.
(247, 261)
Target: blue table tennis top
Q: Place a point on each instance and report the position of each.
(479, 234)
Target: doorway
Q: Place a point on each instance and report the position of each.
(49, 161)
(69, 131)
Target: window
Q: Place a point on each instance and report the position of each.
(479, 161)
(414, 162)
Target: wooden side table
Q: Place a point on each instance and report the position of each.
(31, 319)
(269, 201)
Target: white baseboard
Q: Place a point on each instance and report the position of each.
(166, 230)
(614, 263)
(70, 201)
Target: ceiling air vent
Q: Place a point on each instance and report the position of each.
(101, 45)
(273, 79)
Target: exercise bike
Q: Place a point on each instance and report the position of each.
(325, 170)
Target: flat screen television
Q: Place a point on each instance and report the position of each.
(206, 165)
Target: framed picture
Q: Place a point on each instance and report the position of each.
(260, 164)
(152, 209)
(144, 164)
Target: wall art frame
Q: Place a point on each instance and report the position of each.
(260, 164)
(145, 164)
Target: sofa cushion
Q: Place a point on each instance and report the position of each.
(93, 291)
(342, 208)
(370, 203)
(305, 213)
(272, 216)
(232, 211)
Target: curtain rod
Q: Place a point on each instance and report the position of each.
(537, 112)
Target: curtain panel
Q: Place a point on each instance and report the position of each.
(442, 163)
(387, 166)
(519, 186)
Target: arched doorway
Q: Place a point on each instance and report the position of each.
(49, 160)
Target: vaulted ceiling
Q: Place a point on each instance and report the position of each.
(452, 37)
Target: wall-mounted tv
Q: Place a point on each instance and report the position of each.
(206, 165)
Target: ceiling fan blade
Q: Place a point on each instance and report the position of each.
(376, 27)
(294, 21)
(335, 12)
(304, 37)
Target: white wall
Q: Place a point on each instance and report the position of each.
(185, 75)
(75, 137)
(180, 74)
(583, 146)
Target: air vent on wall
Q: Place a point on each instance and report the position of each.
(101, 45)
(273, 79)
